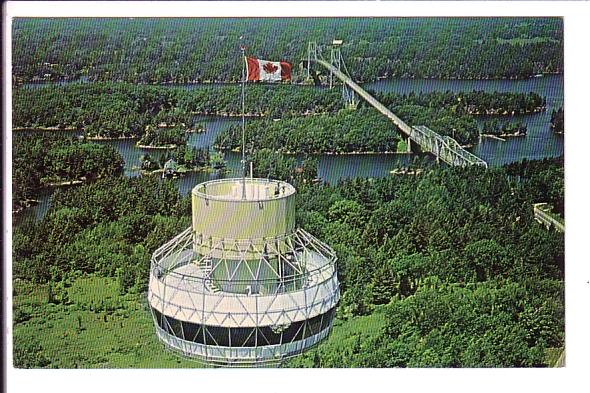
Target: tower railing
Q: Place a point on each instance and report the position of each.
(295, 316)
(181, 251)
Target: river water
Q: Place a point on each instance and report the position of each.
(540, 142)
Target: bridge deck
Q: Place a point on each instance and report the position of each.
(545, 216)
(443, 147)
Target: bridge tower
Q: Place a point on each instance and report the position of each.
(313, 52)
(338, 62)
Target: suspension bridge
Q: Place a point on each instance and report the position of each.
(444, 148)
(544, 215)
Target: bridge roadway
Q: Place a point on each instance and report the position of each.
(442, 147)
(544, 215)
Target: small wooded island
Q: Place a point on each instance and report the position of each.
(166, 136)
(506, 129)
(54, 160)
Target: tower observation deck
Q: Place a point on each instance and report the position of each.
(243, 286)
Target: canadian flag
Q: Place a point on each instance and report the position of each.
(267, 71)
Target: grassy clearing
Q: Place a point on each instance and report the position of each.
(99, 328)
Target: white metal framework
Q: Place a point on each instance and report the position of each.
(242, 301)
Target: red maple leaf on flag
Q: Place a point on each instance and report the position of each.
(270, 68)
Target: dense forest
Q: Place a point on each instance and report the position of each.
(447, 268)
(543, 180)
(39, 161)
(268, 164)
(473, 103)
(163, 137)
(346, 131)
(114, 110)
(125, 110)
(106, 218)
(451, 261)
(182, 50)
(439, 266)
(445, 113)
(463, 128)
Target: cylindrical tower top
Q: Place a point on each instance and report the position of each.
(220, 210)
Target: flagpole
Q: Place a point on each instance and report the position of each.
(243, 49)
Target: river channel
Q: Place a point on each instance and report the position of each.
(540, 142)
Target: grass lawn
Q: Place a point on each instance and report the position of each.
(99, 328)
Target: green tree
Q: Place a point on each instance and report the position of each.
(28, 353)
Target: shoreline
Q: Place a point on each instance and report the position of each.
(228, 114)
(495, 112)
(109, 138)
(512, 135)
(65, 183)
(28, 203)
(23, 205)
(151, 147)
(502, 137)
(380, 78)
(406, 171)
(356, 153)
(164, 126)
(51, 128)
(94, 137)
(493, 137)
(180, 172)
(352, 153)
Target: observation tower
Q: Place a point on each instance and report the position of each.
(243, 286)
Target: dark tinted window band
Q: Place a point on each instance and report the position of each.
(243, 337)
